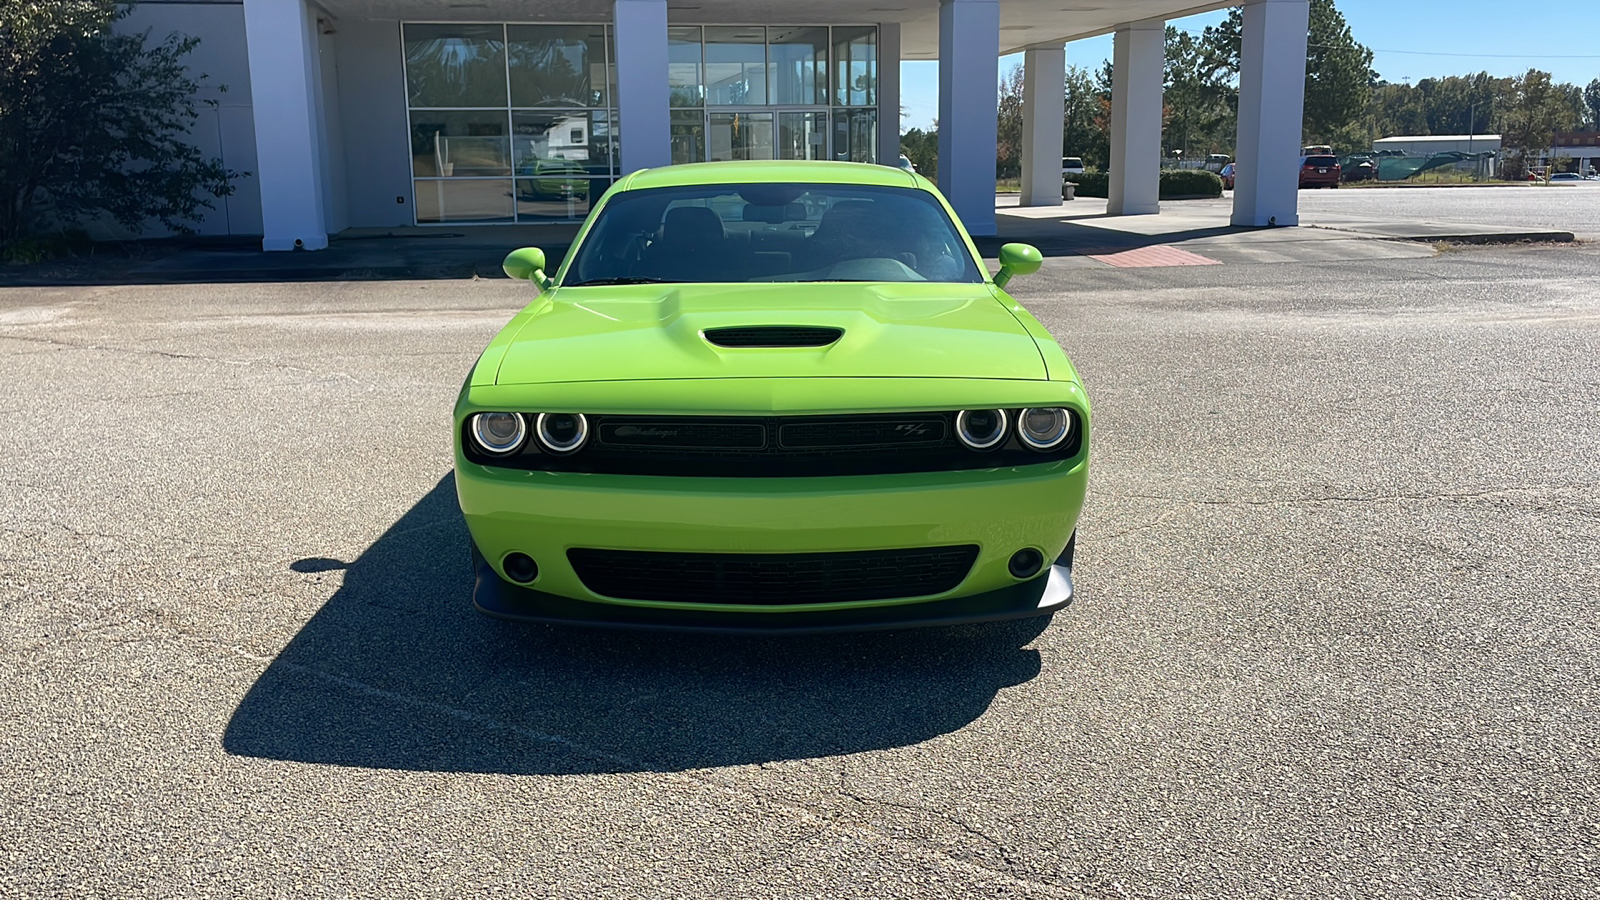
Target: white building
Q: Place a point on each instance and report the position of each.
(422, 112)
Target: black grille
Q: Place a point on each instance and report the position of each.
(776, 447)
(773, 336)
(772, 579)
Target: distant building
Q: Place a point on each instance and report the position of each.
(1582, 146)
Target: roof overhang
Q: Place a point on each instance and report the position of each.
(1023, 23)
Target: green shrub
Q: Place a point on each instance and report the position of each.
(1092, 184)
(1174, 183)
(1189, 183)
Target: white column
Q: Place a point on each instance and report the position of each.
(1272, 78)
(1138, 71)
(969, 103)
(1044, 103)
(889, 93)
(280, 39)
(644, 125)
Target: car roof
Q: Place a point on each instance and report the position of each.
(771, 170)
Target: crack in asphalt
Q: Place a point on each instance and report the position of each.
(625, 762)
(166, 354)
(1382, 498)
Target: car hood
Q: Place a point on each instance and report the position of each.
(649, 332)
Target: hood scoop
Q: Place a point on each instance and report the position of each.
(773, 336)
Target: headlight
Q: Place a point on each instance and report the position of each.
(1044, 428)
(561, 433)
(499, 432)
(981, 429)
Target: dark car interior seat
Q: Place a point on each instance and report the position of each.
(691, 240)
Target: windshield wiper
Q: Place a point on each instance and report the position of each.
(824, 280)
(623, 279)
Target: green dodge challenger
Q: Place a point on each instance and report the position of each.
(772, 397)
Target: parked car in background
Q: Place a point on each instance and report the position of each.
(1071, 165)
(1316, 150)
(1227, 177)
(1566, 176)
(1366, 170)
(1215, 162)
(906, 163)
(1319, 171)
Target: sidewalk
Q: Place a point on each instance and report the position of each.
(1193, 232)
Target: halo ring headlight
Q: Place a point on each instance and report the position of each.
(980, 429)
(1044, 428)
(561, 433)
(499, 433)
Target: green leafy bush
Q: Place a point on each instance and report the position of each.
(1174, 183)
(1189, 183)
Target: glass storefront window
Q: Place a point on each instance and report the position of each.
(459, 143)
(557, 65)
(801, 135)
(684, 85)
(484, 200)
(797, 67)
(855, 66)
(688, 136)
(455, 65)
(736, 66)
(554, 198)
(855, 135)
(575, 139)
(740, 135)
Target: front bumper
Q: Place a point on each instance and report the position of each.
(545, 514)
(1042, 596)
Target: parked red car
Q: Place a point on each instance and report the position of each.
(1227, 176)
(1319, 171)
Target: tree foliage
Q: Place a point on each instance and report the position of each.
(1536, 108)
(93, 122)
(1339, 75)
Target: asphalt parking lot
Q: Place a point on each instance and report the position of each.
(1336, 638)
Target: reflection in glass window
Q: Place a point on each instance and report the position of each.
(467, 200)
(801, 135)
(855, 135)
(455, 65)
(741, 135)
(688, 137)
(797, 66)
(556, 197)
(683, 66)
(578, 138)
(736, 66)
(557, 65)
(459, 143)
(855, 66)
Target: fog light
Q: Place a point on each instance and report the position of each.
(498, 432)
(520, 567)
(981, 429)
(1026, 563)
(1044, 428)
(561, 433)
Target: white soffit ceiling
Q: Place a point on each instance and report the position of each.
(1023, 23)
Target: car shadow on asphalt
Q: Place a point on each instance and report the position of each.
(398, 671)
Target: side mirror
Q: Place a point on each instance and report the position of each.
(526, 264)
(1017, 259)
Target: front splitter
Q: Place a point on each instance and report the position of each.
(1041, 596)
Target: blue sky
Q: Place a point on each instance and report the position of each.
(1412, 40)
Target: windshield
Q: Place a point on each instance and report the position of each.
(739, 233)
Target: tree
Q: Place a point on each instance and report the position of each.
(1339, 75)
(1082, 134)
(1536, 109)
(1199, 97)
(1591, 99)
(1008, 143)
(922, 148)
(93, 122)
